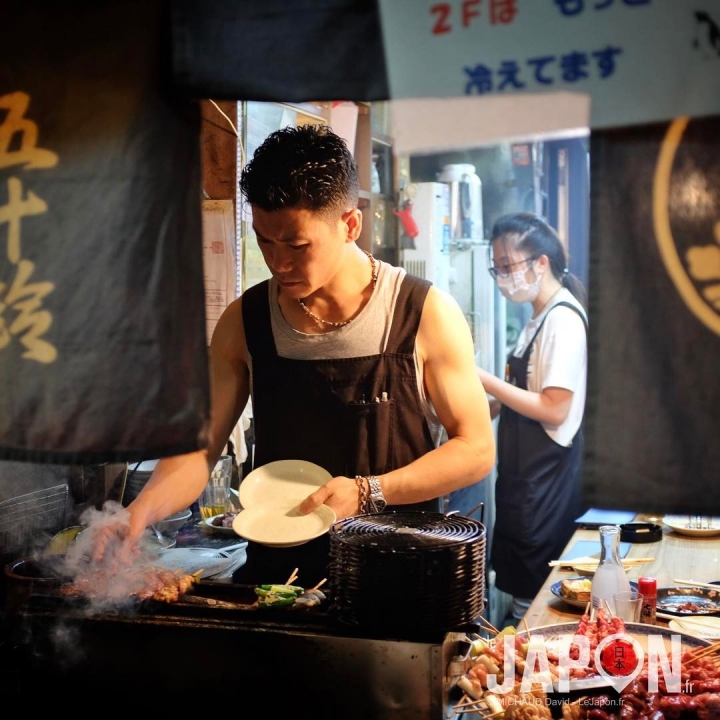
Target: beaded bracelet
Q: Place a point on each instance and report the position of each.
(363, 493)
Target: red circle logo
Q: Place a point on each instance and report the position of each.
(619, 658)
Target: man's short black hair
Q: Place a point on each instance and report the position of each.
(307, 167)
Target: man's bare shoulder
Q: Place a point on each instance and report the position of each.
(229, 334)
(442, 324)
(440, 307)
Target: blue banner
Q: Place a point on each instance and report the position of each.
(638, 60)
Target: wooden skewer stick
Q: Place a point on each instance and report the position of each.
(462, 701)
(527, 628)
(579, 562)
(465, 701)
(487, 624)
(704, 651)
(293, 577)
(497, 714)
(468, 709)
(319, 585)
(609, 609)
(693, 583)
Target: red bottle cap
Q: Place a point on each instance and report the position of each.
(647, 586)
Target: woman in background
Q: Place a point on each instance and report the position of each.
(541, 403)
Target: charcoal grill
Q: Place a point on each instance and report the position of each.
(286, 660)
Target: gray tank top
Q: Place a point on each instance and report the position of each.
(366, 335)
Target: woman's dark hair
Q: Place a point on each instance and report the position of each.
(307, 167)
(536, 238)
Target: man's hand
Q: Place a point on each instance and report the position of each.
(341, 494)
(114, 541)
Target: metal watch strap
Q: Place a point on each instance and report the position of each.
(376, 498)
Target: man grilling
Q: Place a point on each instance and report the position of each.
(350, 363)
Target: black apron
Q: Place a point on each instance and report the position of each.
(324, 411)
(537, 493)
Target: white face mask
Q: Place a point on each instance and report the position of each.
(516, 289)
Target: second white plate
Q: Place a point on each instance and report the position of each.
(282, 526)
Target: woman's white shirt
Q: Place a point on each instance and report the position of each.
(558, 359)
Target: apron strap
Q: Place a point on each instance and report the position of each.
(256, 320)
(562, 303)
(406, 316)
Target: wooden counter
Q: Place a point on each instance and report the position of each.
(676, 556)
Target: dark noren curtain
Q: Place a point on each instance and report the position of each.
(283, 50)
(102, 328)
(653, 413)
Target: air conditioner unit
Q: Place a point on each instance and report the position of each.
(430, 258)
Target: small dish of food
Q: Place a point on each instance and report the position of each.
(222, 523)
(688, 601)
(576, 591)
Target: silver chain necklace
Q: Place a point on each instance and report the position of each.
(308, 311)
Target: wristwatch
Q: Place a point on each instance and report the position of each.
(376, 498)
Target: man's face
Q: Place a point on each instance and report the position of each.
(302, 249)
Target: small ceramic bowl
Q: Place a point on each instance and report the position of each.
(171, 525)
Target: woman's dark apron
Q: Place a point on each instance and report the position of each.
(327, 412)
(537, 494)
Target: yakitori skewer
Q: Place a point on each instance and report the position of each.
(703, 652)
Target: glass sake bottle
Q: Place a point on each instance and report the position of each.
(610, 576)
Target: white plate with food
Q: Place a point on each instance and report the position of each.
(281, 482)
(221, 524)
(283, 525)
(693, 525)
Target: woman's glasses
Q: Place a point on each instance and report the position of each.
(503, 271)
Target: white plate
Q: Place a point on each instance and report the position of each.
(207, 523)
(680, 524)
(281, 482)
(190, 560)
(282, 525)
(704, 627)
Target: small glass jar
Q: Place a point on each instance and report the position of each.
(647, 587)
